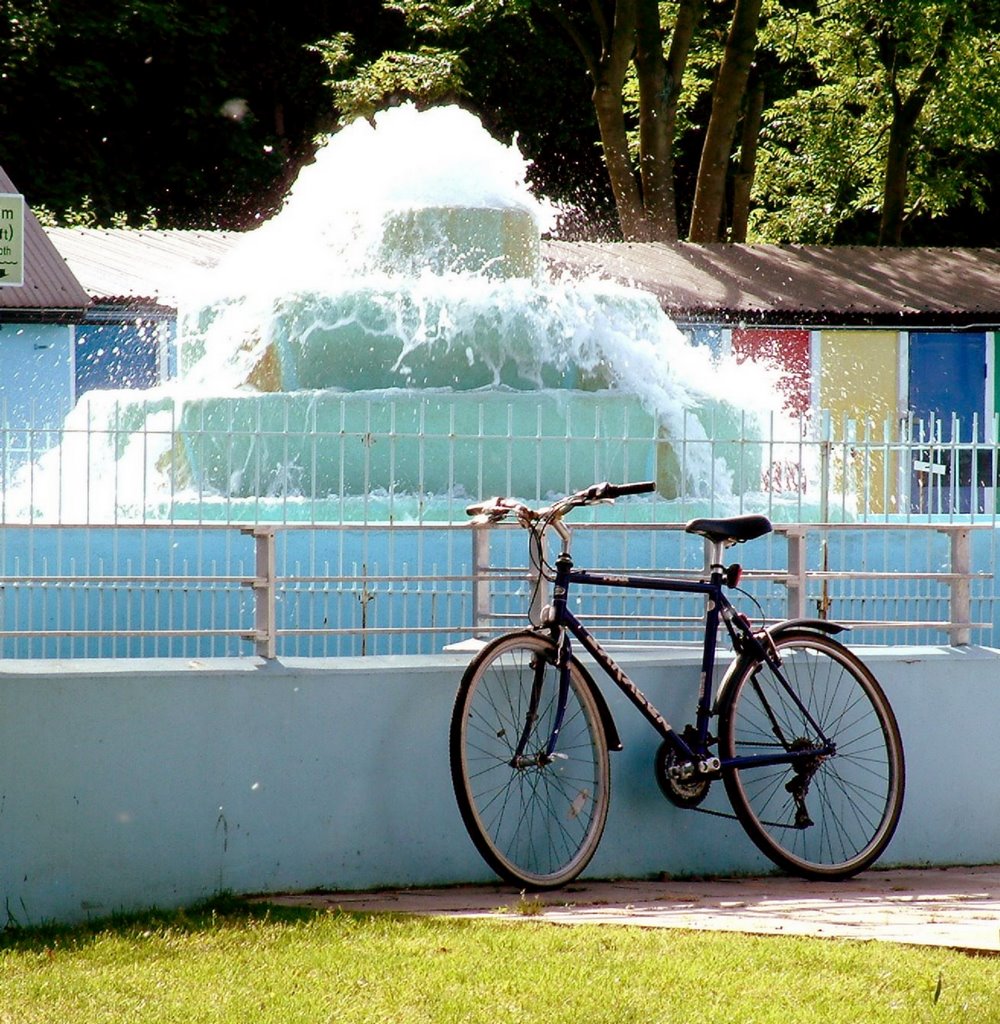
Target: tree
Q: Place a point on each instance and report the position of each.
(901, 58)
(618, 40)
(776, 120)
(897, 104)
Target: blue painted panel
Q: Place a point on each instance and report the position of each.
(948, 375)
(116, 356)
(948, 379)
(35, 379)
(707, 334)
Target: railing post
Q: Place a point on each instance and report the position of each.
(960, 611)
(480, 578)
(265, 634)
(825, 454)
(796, 581)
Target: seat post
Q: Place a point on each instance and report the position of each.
(714, 550)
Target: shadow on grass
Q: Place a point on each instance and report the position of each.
(222, 911)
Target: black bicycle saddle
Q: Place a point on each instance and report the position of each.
(732, 529)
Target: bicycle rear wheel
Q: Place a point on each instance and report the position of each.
(536, 819)
(828, 816)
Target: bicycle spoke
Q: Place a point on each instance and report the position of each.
(535, 818)
(828, 814)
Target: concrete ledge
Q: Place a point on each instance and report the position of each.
(130, 783)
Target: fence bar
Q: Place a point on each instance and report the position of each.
(265, 634)
(47, 596)
(796, 581)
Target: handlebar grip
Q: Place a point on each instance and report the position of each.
(493, 509)
(618, 490)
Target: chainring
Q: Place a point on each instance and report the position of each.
(680, 792)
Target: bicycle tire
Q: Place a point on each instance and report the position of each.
(536, 825)
(849, 803)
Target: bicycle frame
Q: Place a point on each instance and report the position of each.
(562, 623)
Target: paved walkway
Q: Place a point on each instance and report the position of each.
(953, 907)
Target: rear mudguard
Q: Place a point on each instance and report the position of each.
(815, 625)
(777, 631)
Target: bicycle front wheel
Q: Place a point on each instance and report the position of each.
(536, 817)
(825, 816)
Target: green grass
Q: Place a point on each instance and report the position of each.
(256, 965)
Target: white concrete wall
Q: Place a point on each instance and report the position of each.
(126, 784)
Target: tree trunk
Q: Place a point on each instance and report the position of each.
(894, 188)
(659, 92)
(743, 182)
(630, 30)
(905, 114)
(710, 190)
(656, 159)
(607, 65)
(614, 142)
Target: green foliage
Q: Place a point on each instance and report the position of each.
(191, 107)
(446, 17)
(198, 113)
(426, 76)
(823, 148)
(424, 73)
(85, 216)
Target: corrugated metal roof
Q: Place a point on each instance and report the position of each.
(133, 267)
(50, 291)
(722, 283)
(800, 284)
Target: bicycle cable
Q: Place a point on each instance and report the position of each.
(757, 604)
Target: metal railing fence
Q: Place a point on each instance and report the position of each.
(354, 458)
(200, 590)
(335, 524)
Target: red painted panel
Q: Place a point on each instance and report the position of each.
(788, 351)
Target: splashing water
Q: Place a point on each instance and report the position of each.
(404, 272)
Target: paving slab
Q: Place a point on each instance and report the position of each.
(952, 907)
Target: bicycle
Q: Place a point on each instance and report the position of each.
(808, 748)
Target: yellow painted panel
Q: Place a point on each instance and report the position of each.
(858, 381)
(858, 378)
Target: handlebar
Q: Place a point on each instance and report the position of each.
(619, 490)
(496, 509)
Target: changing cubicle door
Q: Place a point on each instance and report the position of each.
(948, 402)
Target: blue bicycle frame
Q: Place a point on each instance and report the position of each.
(561, 622)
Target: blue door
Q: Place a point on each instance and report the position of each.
(947, 387)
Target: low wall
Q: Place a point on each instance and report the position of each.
(126, 784)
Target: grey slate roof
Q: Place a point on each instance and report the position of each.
(50, 291)
(801, 284)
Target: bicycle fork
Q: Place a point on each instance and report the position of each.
(546, 755)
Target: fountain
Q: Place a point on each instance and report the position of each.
(392, 332)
